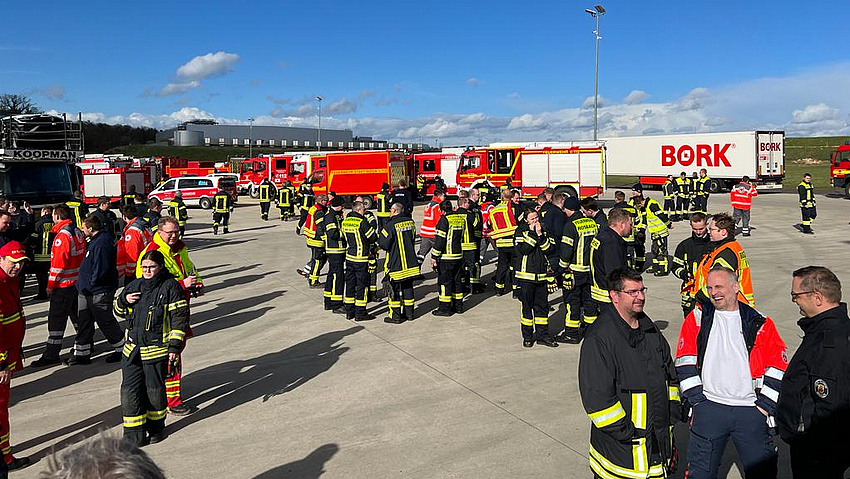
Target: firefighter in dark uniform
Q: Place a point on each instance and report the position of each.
(157, 320)
(683, 196)
(468, 244)
(153, 214)
(266, 193)
(621, 203)
(401, 194)
(40, 242)
(574, 266)
(532, 273)
(702, 192)
(808, 205)
(222, 206)
(669, 190)
(129, 197)
(285, 197)
(607, 253)
(79, 208)
(447, 259)
(474, 261)
(331, 230)
(628, 387)
(638, 228)
(359, 237)
(383, 202)
(374, 295)
(306, 198)
(177, 209)
(397, 238)
(656, 221)
(687, 258)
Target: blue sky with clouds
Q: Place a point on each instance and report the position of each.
(457, 72)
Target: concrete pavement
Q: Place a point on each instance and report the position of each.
(286, 389)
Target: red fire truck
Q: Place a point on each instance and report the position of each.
(573, 168)
(839, 169)
(351, 173)
(252, 172)
(430, 165)
(112, 176)
(173, 167)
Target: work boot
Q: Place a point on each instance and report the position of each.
(443, 312)
(181, 410)
(479, 288)
(113, 357)
(78, 360)
(156, 437)
(547, 342)
(501, 292)
(396, 320)
(527, 343)
(18, 463)
(365, 317)
(215, 230)
(457, 306)
(339, 310)
(570, 336)
(43, 362)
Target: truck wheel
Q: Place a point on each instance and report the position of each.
(847, 190)
(567, 190)
(205, 203)
(368, 202)
(255, 192)
(714, 186)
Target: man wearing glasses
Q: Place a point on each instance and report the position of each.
(628, 386)
(730, 361)
(813, 415)
(167, 241)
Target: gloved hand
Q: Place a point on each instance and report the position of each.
(372, 268)
(551, 284)
(567, 281)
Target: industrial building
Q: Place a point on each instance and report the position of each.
(209, 133)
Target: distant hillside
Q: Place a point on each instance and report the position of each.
(100, 137)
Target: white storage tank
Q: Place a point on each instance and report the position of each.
(188, 138)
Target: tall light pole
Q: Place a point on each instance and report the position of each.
(596, 12)
(250, 138)
(319, 141)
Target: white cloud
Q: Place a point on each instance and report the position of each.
(636, 96)
(473, 82)
(343, 106)
(206, 66)
(588, 102)
(815, 113)
(178, 88)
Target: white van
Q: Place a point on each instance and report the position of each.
(196, 190)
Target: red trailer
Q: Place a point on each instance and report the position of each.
(354, 173)
(430, 165)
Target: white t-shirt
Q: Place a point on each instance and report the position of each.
(726, 375)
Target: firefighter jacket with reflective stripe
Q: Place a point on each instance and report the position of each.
(177, 209)
(639, 218)
(41, 239)
(478, 220)
(807, 195)
(687, 258)
(532, 263)
(359, 237)
(578, 233)
(266, 192)
(314, 217)
(629, 389)
(384, 202)
(306, 197)
(702, 186)
(330, 230)
(158, 321)
(177, 260)
(694, 184)
(285, 195)
(468, 243)
(742, 195)
(448, 239)
(152, 219)
(222, 203)
(632, 213)
(766, 352)
(128, 199)
(67, 253)
(607, 252)
(683, 187)
(727, 254)
(430, 217)
(656, 218)
(816, 385)
(553, 219)
(503, 224)
(397, 238)
(12, 322)
(135, 237)
(670, 189)
(79, 211)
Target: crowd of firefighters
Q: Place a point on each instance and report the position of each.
(82, 259)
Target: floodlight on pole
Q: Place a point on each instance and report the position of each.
(319, 141)
(250, 138)
(596, 12)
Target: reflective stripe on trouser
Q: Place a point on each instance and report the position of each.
(63, 304)
(264, 209)
(317, 262)
(285, 212)
(173, 385)
(91, 309)
(636, 253)
(143, 397)
(579, 302)
(670, 207)
(356, 288)
(743, 217)
(503, 279)
(682, 206)
(449, 280)
(221, 219)
(373, 277)
(534, 297)
(472, 258)
(401, 299)
(5, 445)
(335, 281)
(809, 214)
(659, 255)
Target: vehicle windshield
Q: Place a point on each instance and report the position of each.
(841, 157)
(469, 162)
(35, 179)
(246, 167)
(297, 168)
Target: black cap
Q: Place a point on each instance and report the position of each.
(571, 203)
(337, 201)
(637, 187)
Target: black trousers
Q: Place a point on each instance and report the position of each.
(534, 297)
(91, 309)
(401, 299)
(670, 207)
(264, 209)
(580, 306)
(42, 271)
(659, 255)
(356, 289)
(640, 250)
(335, 282)
(504, 275)
(221, 219)
(317, 262)
(809, 214)
(682, 205)
(63, 304)
(285, 211)
(143, 402)
(821, 457)
(450, 282)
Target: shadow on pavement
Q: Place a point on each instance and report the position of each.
(227, 314)
(240, 269)
(229, 282)
(311, 467)
(76, 433)
(197, 244)
(62, 376)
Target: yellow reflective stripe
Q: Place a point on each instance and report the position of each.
(176, 334)
(608, 416)
(639, 410)
(134, 421)
(153, 352)
(673, 392)
(11, 318)
(157, 415)
(639, 454)
(607, 469)
(177, 305)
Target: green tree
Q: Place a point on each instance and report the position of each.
(14, 104)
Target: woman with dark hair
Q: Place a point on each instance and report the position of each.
(157, 318)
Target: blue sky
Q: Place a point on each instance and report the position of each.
(454, 72)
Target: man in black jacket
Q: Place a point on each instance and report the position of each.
(359, 236)
(39, 242)
(153, 214)
(397, 239)
(574, 265)
(532, 272)
(330, 229)
(107, 218)
(96, 287)
(402, 195)
(813, 414)
(608, 252)
(447, 257)
(687, 258)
